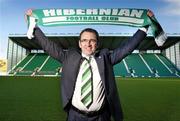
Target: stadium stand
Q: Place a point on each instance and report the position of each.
(158, 65)
(50, 67)
(121, 69)
(171, 67)
(26, 57)
(37, 64)
(21, 64)
(137, 66)
(134, 65)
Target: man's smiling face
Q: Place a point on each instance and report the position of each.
(88, 43)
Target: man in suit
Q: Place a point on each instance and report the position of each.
(88, 87)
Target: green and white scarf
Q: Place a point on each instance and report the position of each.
(94, 16)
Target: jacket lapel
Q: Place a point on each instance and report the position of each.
(100, 63)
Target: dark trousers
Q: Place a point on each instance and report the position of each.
(75, 115)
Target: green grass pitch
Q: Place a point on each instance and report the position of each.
(38, 99)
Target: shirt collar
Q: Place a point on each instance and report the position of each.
(87, 57)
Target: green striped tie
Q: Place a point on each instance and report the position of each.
(86, 84)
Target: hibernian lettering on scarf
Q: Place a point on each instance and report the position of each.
(110, 16)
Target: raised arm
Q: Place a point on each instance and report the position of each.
(127, 48)
(48, 46)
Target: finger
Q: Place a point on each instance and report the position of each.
(29, 12)
(150, 13)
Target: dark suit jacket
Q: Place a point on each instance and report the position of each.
(105, 59)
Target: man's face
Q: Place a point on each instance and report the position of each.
(88, 43)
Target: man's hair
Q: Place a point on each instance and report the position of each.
(90, 30)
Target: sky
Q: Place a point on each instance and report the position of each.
(12, 12)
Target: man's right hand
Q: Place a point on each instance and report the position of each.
(28, 13)
(150, 13)
(32, 23)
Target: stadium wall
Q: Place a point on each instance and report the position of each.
(173, 54)
(15, 53)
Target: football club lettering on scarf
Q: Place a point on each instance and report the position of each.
(51, 16)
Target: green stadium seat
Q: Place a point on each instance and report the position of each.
(134, 65)
(157, 65)
(137, 65)
(120, 70)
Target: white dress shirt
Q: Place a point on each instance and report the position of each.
(98, 89)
